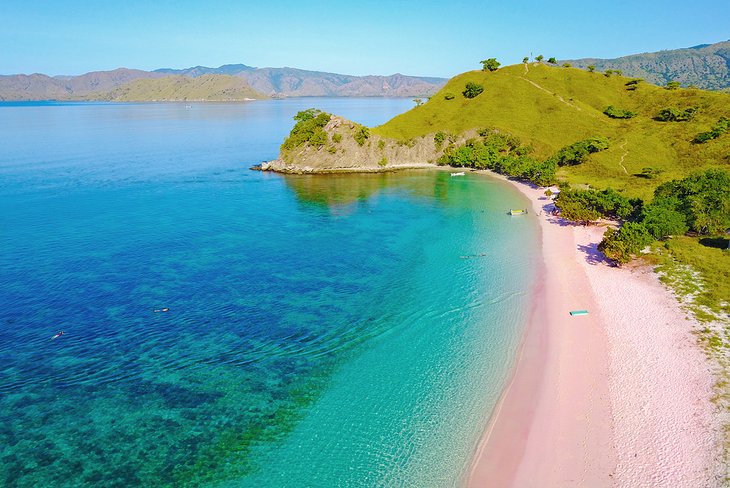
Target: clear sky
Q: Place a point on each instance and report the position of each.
(354, 37)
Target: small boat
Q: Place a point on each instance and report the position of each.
(460, 173)
(518, 211)
(579, 312)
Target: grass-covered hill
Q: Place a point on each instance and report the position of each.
(552, 107)
(210, 88)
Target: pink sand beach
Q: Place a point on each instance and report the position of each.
(616, 398)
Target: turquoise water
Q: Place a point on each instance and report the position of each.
(323, 331)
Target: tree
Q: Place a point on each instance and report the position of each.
(490, 64)
(629, 240)
(702, 197)
(662, 221)
(552, 60)
(591, 68)
(525, 60)
(567, 65)
(472, 90)
(673, 85)
(539, 58)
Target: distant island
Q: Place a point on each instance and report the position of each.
(705, 66)
(125, 84)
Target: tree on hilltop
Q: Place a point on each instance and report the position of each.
(591, 68)
(525, 60)
(490, 64)
(539, 58)
(552, 61)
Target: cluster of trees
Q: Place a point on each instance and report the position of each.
(499, 152)
(673, 85)
(472, 90)
(722, 126)
(618, 113)
(577, 153)
(673, 114)
(308, 129)
(590, 205)
(699, 203)
(610, 72)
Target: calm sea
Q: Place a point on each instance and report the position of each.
(323, 331)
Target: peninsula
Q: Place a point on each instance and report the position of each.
(635, 393)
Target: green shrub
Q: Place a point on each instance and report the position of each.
(472, 90)
(337, 138)
(591, 68)
(567, 65)
(672, 85)
(309, 129)
(332, 149)
(673, 114)
(618, 113)
(620, 245)
(383, 162)
(577, 153)
(439, 139)
(381, 144)
(552, 60)
(449, 96)
(722, 126)
(361, 135)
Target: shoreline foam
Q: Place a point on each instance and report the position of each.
(620, 397)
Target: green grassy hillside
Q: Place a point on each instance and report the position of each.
(181, 88)
(551, 107)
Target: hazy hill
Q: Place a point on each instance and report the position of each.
(280, 82)
(211, 88)
(226, 69)
(705, 66)
(43, 87)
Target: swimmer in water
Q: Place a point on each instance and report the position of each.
(162, 310)
(57, 335)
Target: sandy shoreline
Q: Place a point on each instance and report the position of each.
(620, 397)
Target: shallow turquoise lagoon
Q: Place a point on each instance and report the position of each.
(323, 330)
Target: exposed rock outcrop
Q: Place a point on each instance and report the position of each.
(350, 147)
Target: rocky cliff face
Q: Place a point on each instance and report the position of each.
(348, 149)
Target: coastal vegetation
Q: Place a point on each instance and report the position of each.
(309, 129)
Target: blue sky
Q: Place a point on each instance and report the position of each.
(354, 37)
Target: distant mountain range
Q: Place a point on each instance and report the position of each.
(267, 82)
(705, 66)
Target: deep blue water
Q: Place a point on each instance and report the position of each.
(323, 330)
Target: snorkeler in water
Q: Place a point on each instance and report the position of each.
(58, 335)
